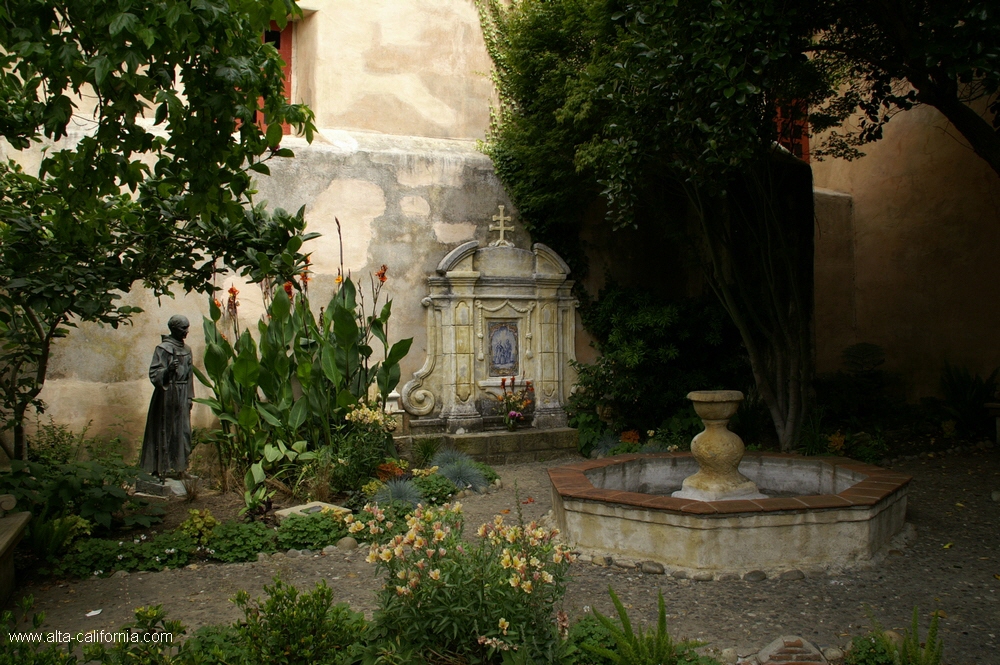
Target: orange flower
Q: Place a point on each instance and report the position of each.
(380, 273)
(503, 382)
(338, 279)
(630, 436)
(288, 288)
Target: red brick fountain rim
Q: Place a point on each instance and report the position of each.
(571, 482)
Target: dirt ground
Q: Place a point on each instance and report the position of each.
(953, 567)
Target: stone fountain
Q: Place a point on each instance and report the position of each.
(718, 451)
(720, 510)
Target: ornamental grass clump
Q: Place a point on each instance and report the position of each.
(464, 474)
(455, 600)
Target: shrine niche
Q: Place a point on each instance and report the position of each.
(493, 313)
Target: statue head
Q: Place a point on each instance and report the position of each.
(178, 325)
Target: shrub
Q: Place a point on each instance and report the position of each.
(398, 490)
(644, 648)
(94, 491)
(101, 557)
(240, 541)
(447, 456)
(28, 653)
(199, 525)
(53, 444)
(876, 649)
(289, 628)
(434, 488)
(965, 396)
(588, 632)
(310, 532)
(653, 352)
(489, 473)
(464, 474)
(463, 600)
(424, 451)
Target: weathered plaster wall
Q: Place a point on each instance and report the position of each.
(926, 238)
(402, 201)
(408, 67)
(834, 313)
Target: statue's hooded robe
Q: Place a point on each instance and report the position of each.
(167, 441)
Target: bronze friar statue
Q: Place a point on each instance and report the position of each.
(167, 441)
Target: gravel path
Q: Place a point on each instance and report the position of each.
(952, 567)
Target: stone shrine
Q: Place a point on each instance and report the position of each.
(493, 313)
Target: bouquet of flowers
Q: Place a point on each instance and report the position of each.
(513, 402)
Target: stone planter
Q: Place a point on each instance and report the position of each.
(718, 451)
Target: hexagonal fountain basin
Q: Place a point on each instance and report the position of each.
(836, 512)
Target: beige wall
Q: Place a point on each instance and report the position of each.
(408, 67)
(925, 244)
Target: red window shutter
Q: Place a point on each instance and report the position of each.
(793, 129)
(282, 41)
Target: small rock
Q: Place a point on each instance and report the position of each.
(292, 554)
(584, 558)
(347, 544)
(679, 575)
(792, 575)
(305, 552)
(192, 566)
(894, 638)
(329, 549)
(995, 495)
(652, 568)
(120, 573)
(729, 656)
(261, 556)
(603, 561)
(703, 576)
(755, 576)
(498, 483)
(628, 565)
(833, 654)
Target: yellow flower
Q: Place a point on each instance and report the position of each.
(403, 591)
(438, 536)
(547, 577)
(386, 555)
(526, 586)
(515, 581)
(435, 574)
(504, 625)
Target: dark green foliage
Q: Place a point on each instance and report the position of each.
(94, 491)
(72, 241)
(876, 649)
(489, 473)
(424, 450)
(585, 635)
(435, 488)
(289, 628)
(653, 353)
(310, 532)
(240, 541)
(636, 647)
(102, 557)
(965, 396)
(215, 645)
(21, 653)
(54, 444)
(861, 396)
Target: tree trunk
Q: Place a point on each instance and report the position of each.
(759, 247)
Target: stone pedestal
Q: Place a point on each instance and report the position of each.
(494, 313)
(718, 451)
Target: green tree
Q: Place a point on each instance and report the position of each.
(894, 54)
(155, 116)
(666, 111)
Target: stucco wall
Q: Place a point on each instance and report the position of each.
(402, 201)
(408, 67)
(926, 237)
